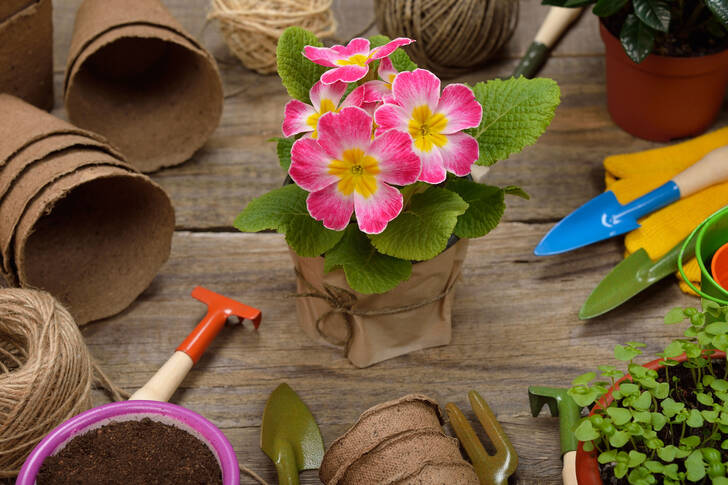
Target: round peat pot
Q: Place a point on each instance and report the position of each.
(710, 236)
(135, 410)
(587, 466)
(663, 98)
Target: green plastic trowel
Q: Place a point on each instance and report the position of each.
(290, 436)
(636, 273)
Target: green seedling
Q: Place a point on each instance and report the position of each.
(670, 426)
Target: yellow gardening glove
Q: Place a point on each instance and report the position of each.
(634, 174)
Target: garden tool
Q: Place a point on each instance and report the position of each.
(562, 406)
(290, 436)
(554, 25)
(604, 217)
(632, 275)
(219, 309)
(494, 469)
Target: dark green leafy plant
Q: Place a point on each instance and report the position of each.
(647, 24)
(669, 426)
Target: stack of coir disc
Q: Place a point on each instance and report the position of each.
(26, 50)
(401, 442)
(135, 76)
(75, 219)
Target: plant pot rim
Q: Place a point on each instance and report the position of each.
(672, 66)
(203, 429)
(587, 467)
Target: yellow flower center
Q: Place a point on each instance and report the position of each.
(355, 60)
(356, 171)
(426, 128)
(312, 121)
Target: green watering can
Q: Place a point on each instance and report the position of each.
(709, 237)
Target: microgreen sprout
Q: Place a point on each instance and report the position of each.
(663, 426)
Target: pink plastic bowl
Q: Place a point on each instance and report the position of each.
(132, 410)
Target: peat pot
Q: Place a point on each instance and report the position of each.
(663, 98)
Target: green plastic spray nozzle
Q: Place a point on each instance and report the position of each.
(562, 406)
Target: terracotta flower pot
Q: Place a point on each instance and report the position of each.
(663, 98)
(587, 466)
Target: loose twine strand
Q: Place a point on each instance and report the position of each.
(252, 28)
(344, 301)
(452, 36)
(46, 373)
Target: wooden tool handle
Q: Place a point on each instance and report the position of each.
(710, 170)
(167, 379)
(568, 473)
(556, 22)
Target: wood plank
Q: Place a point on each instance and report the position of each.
(515, 324)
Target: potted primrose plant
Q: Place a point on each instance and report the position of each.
(379, 202)
(666, 63)
(665, 421)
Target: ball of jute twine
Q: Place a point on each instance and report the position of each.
(452, 36)
(252, 27)
(46, 373)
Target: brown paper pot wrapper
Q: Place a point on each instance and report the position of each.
(26, 51)
(411, 412)
(369, 339)
(22, 125)
(95, 239)
(137, 78)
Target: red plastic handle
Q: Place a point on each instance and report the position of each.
(219, 309)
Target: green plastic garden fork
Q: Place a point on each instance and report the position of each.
(494, 469)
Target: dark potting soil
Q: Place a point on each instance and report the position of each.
(690, 37)
(141, 452)
(684, 384)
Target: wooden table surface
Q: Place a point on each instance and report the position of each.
(515, 319)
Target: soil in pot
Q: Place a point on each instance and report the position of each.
(684, 385)
(132, 453)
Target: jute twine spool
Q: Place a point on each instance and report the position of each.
(252, 27)
(452, 36)
(46, 373)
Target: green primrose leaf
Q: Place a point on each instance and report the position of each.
(636, 38)
(297, 73)
(515, 113)
(695, 420)
(585, 431)
(619, 439)
(619, 416)
(676, 315)
(421, 231)
(695, 466)
(367, 271)
(605, 8)
(517, 191)
(486, 205)
(719, 9)
(284, 210)
(283, 148)
(654, 13)
(400, 60)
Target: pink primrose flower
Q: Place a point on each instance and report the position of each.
(351, 62)
(434, 122)
(300, 117)
(346, 171)
(378, 89)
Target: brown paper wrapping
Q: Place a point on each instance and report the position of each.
(136, 77)
(34, 178)
(95, 239)
(372, 339)
(411, 412)
(26, 51)
(21, 125)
